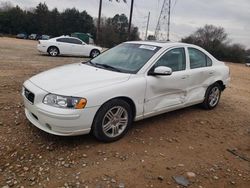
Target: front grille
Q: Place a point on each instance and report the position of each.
(29, 95)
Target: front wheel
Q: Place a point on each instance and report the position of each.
(94, 53)
(212, 96)
(112, 121)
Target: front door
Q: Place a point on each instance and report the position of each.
(164, 92)
(76, 47)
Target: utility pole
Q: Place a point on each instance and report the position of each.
(130, 19)
(146, 36)
(99, 23)
(169, 8)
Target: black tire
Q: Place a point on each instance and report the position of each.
(94, 53)
(101, 117)
(53, 51)
(207, 103)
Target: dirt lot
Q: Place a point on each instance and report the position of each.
(154, 150)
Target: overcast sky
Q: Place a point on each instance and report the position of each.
(187, 15)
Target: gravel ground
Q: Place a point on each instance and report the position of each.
(191, 142)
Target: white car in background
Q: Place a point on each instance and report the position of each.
(130, 82)
(65, 45)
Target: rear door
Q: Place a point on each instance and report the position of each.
(164, 92)
(201, 72)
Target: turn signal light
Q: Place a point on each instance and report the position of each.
(81, 104)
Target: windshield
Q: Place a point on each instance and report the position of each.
(127, 57)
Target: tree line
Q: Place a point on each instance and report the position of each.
(41, 20)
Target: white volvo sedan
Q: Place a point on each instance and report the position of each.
(65, 45)
(133, 81)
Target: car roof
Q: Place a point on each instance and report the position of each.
(161, 43)
(66, 36)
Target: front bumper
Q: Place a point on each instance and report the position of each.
(56, 121)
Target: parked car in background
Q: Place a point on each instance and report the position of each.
(33, 36)
(247, 60)
(130, 82)
(65, 45)
(85, 37)
(22, 36)
(45, 37)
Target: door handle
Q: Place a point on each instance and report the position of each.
(211, 72)
(184, 77)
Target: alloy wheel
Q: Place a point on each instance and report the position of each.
(115, 121)
(214, 96)
(53, 52)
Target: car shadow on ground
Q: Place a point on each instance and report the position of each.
(84, 140)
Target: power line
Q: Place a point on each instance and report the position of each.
(174, 5)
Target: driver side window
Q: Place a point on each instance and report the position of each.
(174, 59)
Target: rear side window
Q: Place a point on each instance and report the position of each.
(62, 40)
(174, 59)
(69, 40)
(74, 41)
(209, 62)
(198, 59)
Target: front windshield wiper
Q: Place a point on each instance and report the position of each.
(102, 66)
(89, 63)
(108, 67)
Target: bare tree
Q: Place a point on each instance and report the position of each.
(215, 40)
(208, 35)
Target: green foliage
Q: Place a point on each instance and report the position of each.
(41, 20)
(215, 40)
(114, 31)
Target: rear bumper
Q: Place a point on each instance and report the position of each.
(42, 48)
(56, 121)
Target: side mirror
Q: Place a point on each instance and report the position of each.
(161, 71)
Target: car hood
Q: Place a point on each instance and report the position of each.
(76, 79)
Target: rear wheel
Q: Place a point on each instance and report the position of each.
(94, 53)
(112, 121)
(212, 96)
(53, 51)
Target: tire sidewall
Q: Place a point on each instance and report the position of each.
(91, 53)
(206, 103)
(55, 49)
(97, 128)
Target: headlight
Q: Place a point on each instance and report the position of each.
(64, 101)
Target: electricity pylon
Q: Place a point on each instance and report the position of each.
(163, 24)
